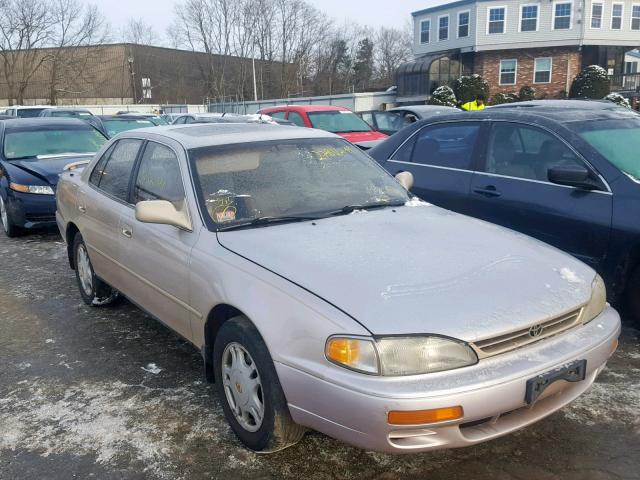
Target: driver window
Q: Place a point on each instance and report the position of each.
(159, 176)
(526, 152)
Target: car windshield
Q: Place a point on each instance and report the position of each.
(69, 113)
(338, 121)
(28, 112)
(158, 120)
(113, 127)
(43, 141)
(291, 178)
(616, 140)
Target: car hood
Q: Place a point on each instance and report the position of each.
(421, 269)
(357, 137)
(49, 169)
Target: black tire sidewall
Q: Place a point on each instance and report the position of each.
(240, 330)
(12, 230)
(77, 242)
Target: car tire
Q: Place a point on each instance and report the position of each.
(249, 389)
(94, 292)
(632, 300)
(9, 228)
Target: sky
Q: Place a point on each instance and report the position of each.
(374, 13)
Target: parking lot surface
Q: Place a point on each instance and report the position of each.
(110, 393)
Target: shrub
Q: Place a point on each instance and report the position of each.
(618, 100)
(467, 88)
(527, 93)
(500, 98)
(443, 95)
(591, 82)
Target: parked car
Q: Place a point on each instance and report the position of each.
(112, 125)
(152, 117)
(81, 113)
(414, 113)
(33, 153)
(25, 112)
(254, 242)
(222, 118)
(339, 120)
(563, 173)
(386, 122)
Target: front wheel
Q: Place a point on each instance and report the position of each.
(94, 292)
(248, 387)
(10, 229)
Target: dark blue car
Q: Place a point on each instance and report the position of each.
(33, 152)
(567, 173)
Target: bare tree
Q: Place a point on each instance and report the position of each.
(25, 25)
(73, 25)
(393, 47)
(140, 32)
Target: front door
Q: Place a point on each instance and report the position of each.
(512, 189)
(157, 256)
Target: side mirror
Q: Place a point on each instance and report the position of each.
(162, 212)
(405, 179)
(572, 176)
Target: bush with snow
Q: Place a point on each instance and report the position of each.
(618, 100)
(527, 93)
(467, 89)
(500, 98)
(443, 95)
(591, 82)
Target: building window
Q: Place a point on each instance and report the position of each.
(508, 72)
(542, 70)
(425, 31)
(529, 18)
(463, 24)
(616, 16)
(562, 16)
(635, 17)
(443, 28)
(146, 87)
(496, 20)
(596, 15)
(631, 67)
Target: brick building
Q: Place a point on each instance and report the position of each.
(513, 43)
(133, 74)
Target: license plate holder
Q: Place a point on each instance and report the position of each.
(572, 372)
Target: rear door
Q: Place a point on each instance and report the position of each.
(440, 156)
(512, 189)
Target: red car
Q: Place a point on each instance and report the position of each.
(339, 120)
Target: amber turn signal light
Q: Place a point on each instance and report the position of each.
(419, 417)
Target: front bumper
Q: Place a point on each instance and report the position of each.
(28, 210)
(491, 394)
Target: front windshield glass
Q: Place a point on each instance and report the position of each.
(159, 121)
(338, 121)
(240, 183)
(113, 127)
(42, 141)
(616, 140)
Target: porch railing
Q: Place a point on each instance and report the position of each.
(627, 82)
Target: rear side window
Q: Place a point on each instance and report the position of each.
(278, 115)
(442, 145)
(113, 178)
(297, 119)
(159, 176)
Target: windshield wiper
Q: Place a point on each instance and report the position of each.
(367, 206)
(262, 221)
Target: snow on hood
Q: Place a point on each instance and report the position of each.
(421, 270)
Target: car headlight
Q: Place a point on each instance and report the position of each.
(598, 301)
(37, 189)
(399, 356)
(416, 355)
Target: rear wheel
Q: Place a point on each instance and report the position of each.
(94, 292)
(249, 390)
(633, 297)
(10, 229)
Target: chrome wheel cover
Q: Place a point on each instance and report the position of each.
(242, 387)
(4, 216)
(83, 264)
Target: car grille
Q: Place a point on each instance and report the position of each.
(526, 336)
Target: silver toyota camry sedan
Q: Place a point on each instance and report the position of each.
(323, 296)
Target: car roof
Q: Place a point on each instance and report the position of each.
(28, 107)
(42, 121)
(124, 117)
(213, 134)
(68, 109)
(423, 108)
(306, 108)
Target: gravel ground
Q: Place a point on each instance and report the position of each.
(109, 393)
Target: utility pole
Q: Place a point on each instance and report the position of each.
(255, 85)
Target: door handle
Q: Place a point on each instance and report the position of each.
(82, 209)
(127, 232)
(489, 191)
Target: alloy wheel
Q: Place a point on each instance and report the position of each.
(242, 387)
(4, 216)
(83, 264)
